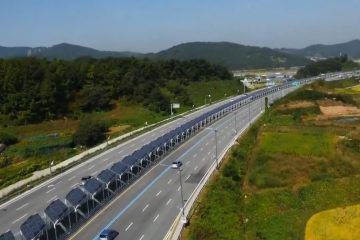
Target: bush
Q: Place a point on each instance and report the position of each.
(7, 138)
(5, 161)
(90, 132)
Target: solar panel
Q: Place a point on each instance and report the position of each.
(92, 185)
(106, 176)
(129, 160)
(119, 168)
(139, 154)
(7, 236)
(32, 227)
(56, 210)
(76, 197)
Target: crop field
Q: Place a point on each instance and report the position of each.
(295, 162)
(339, 223)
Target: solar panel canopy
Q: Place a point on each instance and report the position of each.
(76, 197)
(92, 185)
(106, 176)
(56, 210)
(119, 168)
(129, 160)
(7, 236)
(32, 227)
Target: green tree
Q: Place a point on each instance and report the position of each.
(90, 132)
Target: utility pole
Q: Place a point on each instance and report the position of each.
(184, 220)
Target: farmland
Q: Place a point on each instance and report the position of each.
(294, 162)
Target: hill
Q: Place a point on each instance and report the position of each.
(232, 55)
(351, 48)
(61, 51)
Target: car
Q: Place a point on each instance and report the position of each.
(108, 234)
(84, 179)
(176, 164)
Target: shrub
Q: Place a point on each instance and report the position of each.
(90, 132)
(4, 161)
(8, 138)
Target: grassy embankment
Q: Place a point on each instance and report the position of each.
(37, 147)
(300, 158)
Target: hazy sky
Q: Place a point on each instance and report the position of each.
(152, 25)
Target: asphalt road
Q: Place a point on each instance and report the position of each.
(14, 212)
(149, 207)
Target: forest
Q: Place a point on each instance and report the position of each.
(325, 66)
(33, 89)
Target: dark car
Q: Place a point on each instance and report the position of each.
(84, 179)
(108, 234)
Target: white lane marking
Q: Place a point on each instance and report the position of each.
(142, 236)
(147, 205)
(51, 199)
(206, 143)
(105, 159)
(91, 167)
(196, 167)
(93, 174)
(157, 216)
(168, 202)
(74, 185)
(158, 193)
(179, 188)
(121, 151)
(21, 207)
(195, 155)
(187, 177)
(187, 162)
(51, 185)
(128, 227)
(19, 219)
(50, 190)
(209, 153)
(72, 178)
(170, 180)
(58, 182)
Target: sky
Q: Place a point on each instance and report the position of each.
(153, 25)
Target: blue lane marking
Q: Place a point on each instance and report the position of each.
(133, 201)
(154, 181)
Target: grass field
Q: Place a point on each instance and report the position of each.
(288, 167)
(40, 144)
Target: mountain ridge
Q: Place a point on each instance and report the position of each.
(350, 48)
(232, 55)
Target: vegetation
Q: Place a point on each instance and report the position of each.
(325, 66)
(294, 162)
(33, 90)
(90, 132)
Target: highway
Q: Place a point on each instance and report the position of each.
(17, 210)
(149, 207)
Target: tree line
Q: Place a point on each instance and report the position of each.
(325, 66)
(33, 89)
